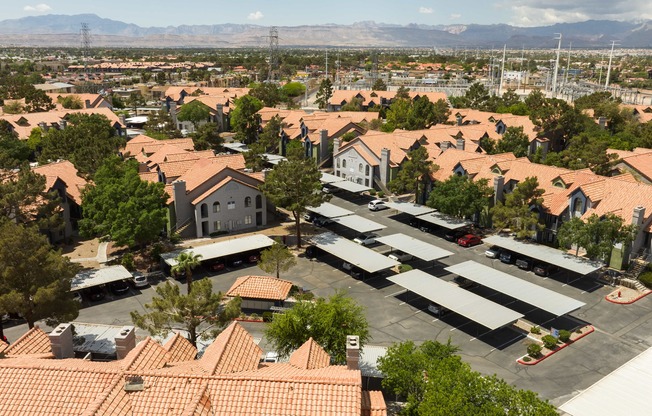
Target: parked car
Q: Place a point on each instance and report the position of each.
(463, 282)
(507, 257)
(356, 272)
(140, 280)
(366, 239)
(253, 258)
(493, 252)
(329, 189)
(347, 266)
(235, 262)
(95, 293)
(377, 205)
(469, 240)
(524, 263)
(77, 296)
(398, 255)
(454, 235)
(313, 252)
(322, 221)
(119, 287)
(544, 269)
(309, 216)
(437, 309)
(217, 265)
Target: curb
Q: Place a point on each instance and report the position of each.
(561, 347)
(629, 302)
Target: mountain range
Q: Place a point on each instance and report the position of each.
(63, 31)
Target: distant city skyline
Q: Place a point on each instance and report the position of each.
(296, 13)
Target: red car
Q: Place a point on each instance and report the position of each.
(469, 240)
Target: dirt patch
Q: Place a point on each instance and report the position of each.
(81, 249)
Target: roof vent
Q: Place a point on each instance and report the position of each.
(134, 383)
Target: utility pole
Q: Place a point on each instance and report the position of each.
(502, 72)
(554, 75)
(326, 63)
(273, 54)
(570, 45)
(611, 55)
(522, 74)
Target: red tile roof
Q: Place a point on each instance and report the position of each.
(147, 355)
(180, 349)
(33, 342)
(260, 287)
(310, 356)
(231, 352)
(66, 172)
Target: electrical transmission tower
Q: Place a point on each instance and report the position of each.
(85, 33)
(272, 75)
(374, 68)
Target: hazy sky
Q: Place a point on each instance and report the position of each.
(293, 12)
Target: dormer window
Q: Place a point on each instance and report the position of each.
(559, 183)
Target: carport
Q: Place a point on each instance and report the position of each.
(444, 221)
(535, 295)
(410, 208)
(358, 223)
(476, 308)
(342, 183)
(220, 249)
(98, 277)
(417, 248)
(546, 254)
(355, 254)
(329, 210)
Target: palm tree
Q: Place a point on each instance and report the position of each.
(186, 261)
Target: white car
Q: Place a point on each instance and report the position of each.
(140, 280)
(492, 253)
(366, 239)
(377, 205)
(400, 256)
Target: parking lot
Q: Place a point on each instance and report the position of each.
(622, 331)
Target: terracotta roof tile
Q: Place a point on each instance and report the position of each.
(373, 404)
(641, 163)
(232, 351)
(148, 354)
(180, 349)
(112, 401)
(310, 356)
(205, 169)
(34, 341)
(217, 186)
(67, 172)
(200, 405)
(260, 287)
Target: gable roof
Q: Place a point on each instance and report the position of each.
(232, 351)
(66, 172)
(180, 349)
(260, 287)
(33, 342)
(309, 356)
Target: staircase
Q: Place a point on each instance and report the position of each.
(633, 284)
(636, 267)
(178, 229)
(382, 186)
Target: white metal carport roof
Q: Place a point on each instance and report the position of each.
(274, 159)
(535, 295)
(358, 223)
(97, 277)
(456, 299)
(223, 248)
(356, 254)
(328, 178)
(329, 210)
(350, 186)
(410, 208)
(546, 254)
(442, 220)
(417, 248)
(624, 391)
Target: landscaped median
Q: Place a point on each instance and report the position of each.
(544, 344)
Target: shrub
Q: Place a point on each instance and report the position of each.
(527, 359)
(218, 233)
(549, 342)
(128, 262)
(404, 268)
(381, 194)
(564, 335)
(372, 192)
(646, 279)
(254, 316)
(534, 350)
(175, 238)
(267, 316)
(156, 250)
(535, 330)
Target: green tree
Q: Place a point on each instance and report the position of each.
(421, 115)
(201, 313)
(161, 126)
(267, 93)
(13, 151)
(117, 101)
(161, 78)
(13, 107)
(34, 279)
(355, 104)
(520, 211)
(441, 112)
(37, 101)
(403, 93)
(195, 112)
(555, 118)
(460, 197)
(245, 120)
(122, 207)
(186, 263)
(603, 232)
(295, 184)
(294, 89)
(86, 142)
(276, 259)
(413, 173)
(268, 141)
(135, 100)
(573, 233)
(207, 137)
(477, 97)
(324, 93)
(397, 115)
(515, 141)
(71, 102)
(379, 85)
(327, 321)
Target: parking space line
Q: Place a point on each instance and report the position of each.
(435, 320)
(396, 293)
(401, 304)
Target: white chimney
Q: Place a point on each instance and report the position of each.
(61, 341)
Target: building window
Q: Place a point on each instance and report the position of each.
(259, 202)
(360, 168)
(247, 219)
(343, 175)
(344, 163)
(230, 205)
(366, 170)
(217, 225)
(248, 202)
(359, 181)
(216, 207)
(366, 182)
(203, 210)
(337, 163)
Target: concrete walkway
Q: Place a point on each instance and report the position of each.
(100, 258)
